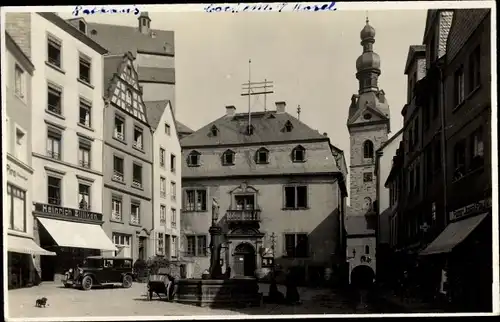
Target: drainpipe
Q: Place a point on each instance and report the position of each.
(443, 144)
(153, 176)
(378, 155)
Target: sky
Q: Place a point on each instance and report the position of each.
(310, 57)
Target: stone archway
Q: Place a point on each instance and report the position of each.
(244, 260)
(362, 277)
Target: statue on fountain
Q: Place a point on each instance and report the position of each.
(215, 270)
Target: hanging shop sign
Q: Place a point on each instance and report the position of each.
(480, 206)
(64, 212)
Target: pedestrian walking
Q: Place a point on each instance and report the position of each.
(292, 294)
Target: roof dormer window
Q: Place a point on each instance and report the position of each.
(82, 26)
(288, 127)
(299, 154)
(228, 157)
(194, 159)
(214, 131)
(249, 129)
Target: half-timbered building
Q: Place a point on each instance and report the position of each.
(127, 195)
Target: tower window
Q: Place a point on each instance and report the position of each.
(368, 149)
(367, 177)
(299, 154)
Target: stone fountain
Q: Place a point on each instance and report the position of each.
(217, 289)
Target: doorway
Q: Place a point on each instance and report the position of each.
(244, 261)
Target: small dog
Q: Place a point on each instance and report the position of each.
(42, 302)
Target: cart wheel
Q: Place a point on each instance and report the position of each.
(150, 295)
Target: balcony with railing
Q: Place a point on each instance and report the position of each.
(53, 155)
(243, 215)
(136, 183)
(134, 219)
(84, 164)
(118, 176)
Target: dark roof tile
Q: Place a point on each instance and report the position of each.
(121, 39)
(156, 74)
(268, 127)
(183, 128)
(154, 111)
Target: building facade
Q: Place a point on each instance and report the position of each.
(385, 204)
(279, 189)
(128, 161)
(467, 110)
(67, 153)
(450, 228)
(19, 172)
(166, 177)
(152, 49)
(369, 125)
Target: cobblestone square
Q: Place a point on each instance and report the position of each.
(133, 302)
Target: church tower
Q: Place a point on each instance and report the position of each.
(368, 124)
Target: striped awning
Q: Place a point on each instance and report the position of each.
(25, 245)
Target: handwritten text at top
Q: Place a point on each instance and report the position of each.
(80, 10)
(271, 7)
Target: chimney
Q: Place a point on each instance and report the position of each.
(230, 110)
(280, 107)
(325, 134)
(144, 23)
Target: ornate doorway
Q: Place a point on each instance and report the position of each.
(244, 261)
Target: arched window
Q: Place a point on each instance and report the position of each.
(228, 157)
(299, 154)
(262, 156)
(367, 249)
(193, 159)
(368, 149)
(128, 97)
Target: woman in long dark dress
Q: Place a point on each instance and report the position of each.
(292, 294)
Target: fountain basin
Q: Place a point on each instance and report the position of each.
(233, 292)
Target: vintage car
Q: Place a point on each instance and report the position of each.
(99, 270)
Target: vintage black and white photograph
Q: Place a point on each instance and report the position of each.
(249, 160)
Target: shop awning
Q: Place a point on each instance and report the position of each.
(79, 235)
(22, 245)
(453, 235)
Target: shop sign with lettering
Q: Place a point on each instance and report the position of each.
(482, 205)
(58, 211)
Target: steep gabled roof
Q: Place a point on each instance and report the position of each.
(267, 128)
(155, 110)
(181, 128)
(413, 52)
(465, 23)
(121, 39)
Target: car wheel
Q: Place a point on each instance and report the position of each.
(127, 281)
(87, 283)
